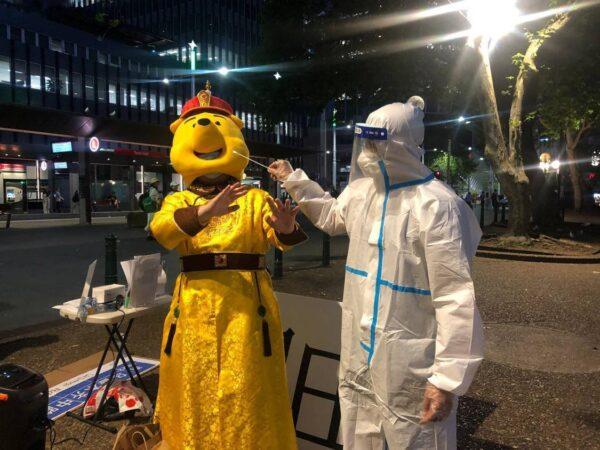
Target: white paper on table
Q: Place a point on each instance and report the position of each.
(127, 267)
(161, 287)
(144, 280)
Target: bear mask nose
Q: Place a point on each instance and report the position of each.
(204, 121)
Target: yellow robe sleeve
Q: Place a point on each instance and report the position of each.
(175, 222)
(282, 242)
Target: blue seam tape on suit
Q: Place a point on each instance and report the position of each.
(378, 281)
(389, 284)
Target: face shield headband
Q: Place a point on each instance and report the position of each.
(368, 142)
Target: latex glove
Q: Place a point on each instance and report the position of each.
(222, 203)
(283, 219)
(280, 170)
(437, 404)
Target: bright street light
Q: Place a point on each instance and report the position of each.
(166, 80)
(223, 71)
(492, 18)
(461, 119)
(470, 148)
(481, 158)
(555, 164)
(277, 75)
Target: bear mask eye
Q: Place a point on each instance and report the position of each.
(218, 123)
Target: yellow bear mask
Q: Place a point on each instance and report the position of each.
(204, 144)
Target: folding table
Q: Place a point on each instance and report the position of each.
(112, 321)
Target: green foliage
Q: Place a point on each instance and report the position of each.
(461, 164)
(569, 97)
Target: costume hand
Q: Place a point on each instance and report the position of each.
(222, 203)
(437, 404)
(280, 170)
(283, 219)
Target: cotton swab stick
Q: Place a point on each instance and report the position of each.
(250, 159)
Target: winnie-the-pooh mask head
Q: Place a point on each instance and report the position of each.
(207, 137)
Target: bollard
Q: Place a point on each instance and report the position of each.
(8, 217)
(482, 215)
(110, 261)
(278, 269)
(326, 249)
(503, 218)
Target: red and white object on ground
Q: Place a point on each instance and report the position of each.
(127, 396)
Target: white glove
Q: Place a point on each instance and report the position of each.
(280, 170)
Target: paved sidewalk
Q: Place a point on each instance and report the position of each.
(525, 395)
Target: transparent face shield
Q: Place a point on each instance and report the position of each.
(370, 144)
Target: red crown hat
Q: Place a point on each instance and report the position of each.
(204, 101)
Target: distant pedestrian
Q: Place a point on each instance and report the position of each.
(503, 204)
(173, 187)
(156, 197)
(45, 201)
(495, 205)
(58, 200)
(469, 199)
(75, 203)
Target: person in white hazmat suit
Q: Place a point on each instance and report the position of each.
(412, 337)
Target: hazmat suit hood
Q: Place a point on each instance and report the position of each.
(397, 144)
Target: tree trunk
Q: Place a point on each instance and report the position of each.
(509, 171)
(574, 174)
(507, 157)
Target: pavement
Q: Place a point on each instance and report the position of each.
(538, 387)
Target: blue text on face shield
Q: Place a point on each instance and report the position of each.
(374, 133)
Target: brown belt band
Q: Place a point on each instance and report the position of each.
(222, 261)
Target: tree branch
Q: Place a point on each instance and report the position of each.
(528, 64)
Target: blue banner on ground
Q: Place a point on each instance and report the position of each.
(71, 394)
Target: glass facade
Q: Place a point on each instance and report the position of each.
(50, 66)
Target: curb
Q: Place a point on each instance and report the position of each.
(546, 258)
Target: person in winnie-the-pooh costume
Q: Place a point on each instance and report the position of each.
(222, 369)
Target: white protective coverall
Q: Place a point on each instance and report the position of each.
(409, 313)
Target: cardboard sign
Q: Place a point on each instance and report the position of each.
(71, 394)
(312, 343)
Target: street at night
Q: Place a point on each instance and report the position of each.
(291, 225)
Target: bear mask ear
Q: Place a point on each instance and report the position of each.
(174, 125)
(237, 121)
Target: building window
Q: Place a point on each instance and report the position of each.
(101, 58)
(34, 76)
(101, 90)
(89, 87)
(20, 73)
(143, 97)
(112, 94)
(50, 84)
(56, 45)
(161, 103)
(179, 105)
(63, 81)
(77, 90)
(133, 96)
(4, 69)
(153, 101)
(123, 94)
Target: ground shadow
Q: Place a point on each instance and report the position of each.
(11, 347)
(471, 414)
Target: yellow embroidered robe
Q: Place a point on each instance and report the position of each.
(217, 389)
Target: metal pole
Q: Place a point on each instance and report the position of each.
(334, 163)
(482, 212)
(326, 249)
(110, 263)
(448, 173)
(278, 269)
